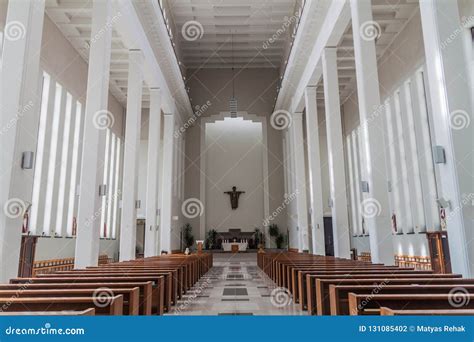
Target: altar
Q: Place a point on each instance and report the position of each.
(234, 246)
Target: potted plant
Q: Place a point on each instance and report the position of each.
(273, 231)
(280, 241)
(188, 238)
(211, 239)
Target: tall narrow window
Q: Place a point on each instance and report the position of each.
(52, 161)
(103, 215)
(74, 169)
(117, 191)
(110, 185)
(39, 154)
(63, 166)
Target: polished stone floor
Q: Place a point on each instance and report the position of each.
(236, 286)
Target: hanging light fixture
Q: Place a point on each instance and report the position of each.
(233, 100)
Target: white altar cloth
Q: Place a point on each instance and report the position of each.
(227, 246)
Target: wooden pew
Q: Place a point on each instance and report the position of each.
(384, 311)
(145, 290)
(361, 305)
(338, 294)
(86, 312)
(112, 305)
(130, 296)
(158, 299)
(317, 287)
(170, 282)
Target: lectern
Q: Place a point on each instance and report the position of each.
(199, 246)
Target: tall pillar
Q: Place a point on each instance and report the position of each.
(128, 229)
(92, 166)
(153, 173)
(19, 118)
(337, 174)
(167, 188)
(374, 206)
(451, 98)
(314, 169)
(300, 181)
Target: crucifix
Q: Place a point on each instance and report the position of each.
(234, 197)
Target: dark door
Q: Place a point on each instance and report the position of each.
(439, 252)
(27, 256)
(328, 236)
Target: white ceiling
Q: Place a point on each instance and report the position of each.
(249, 23)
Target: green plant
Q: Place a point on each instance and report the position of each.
(188, 237)
(273, 230)
(280, 241)
(211, 239)
(258, 236)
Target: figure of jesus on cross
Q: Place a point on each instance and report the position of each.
(234, 197)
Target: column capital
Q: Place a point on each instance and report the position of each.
(310, 91)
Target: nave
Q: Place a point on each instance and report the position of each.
(236, 286)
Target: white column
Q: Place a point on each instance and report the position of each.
(128, 231)
(153, 173)
(92, 166)
(314, 169)
(451, 99)
(167, 188)
(19, 118)
(337, 174)
(374, 206)
(300, 181)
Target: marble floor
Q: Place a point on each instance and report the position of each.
(236, 286)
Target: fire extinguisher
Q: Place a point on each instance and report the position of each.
(26, 220)
(74, 226)
(394, 223)
(442, 217)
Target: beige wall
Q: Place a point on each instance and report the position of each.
(255, 90)
(60, 59)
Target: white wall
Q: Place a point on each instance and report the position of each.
(255, 90)
(234, 158)
(61, 61)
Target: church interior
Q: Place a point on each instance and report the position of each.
(237, 157)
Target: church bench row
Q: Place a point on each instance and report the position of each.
(359, 305)
(112, 305)
(144, 290)
(86, 312)
(384, 311)
(319, 297)
(323, 285)
(144, 286)
(130, 296)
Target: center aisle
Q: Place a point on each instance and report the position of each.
(236, 286)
